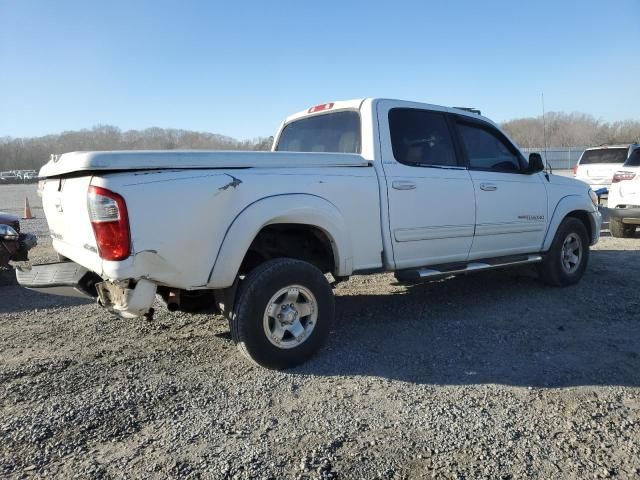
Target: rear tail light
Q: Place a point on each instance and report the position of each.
(575, 170)
(621, 176)
(110, 222)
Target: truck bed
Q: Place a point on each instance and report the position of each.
(192, 159)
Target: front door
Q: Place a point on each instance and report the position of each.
(511, 204)
(430, 191)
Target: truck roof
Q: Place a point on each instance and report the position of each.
(356, 104)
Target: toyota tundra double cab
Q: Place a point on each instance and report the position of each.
(350, 187)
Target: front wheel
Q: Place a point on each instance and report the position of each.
(565, 262)
(283, 313)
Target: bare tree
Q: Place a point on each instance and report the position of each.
(571, 129)
(25, 153)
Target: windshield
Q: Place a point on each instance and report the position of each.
(604, 155)
(333, 132)
(634, 159)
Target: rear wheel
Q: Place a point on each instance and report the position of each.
(565, 262)
(283, 313)
(620, 230)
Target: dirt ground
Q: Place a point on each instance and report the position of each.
(486, 376)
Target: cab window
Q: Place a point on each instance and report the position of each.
(487, 149)
(337, 132)
(421, 138)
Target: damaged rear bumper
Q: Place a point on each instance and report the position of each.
(125, 299)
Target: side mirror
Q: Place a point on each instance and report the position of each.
(535, 163)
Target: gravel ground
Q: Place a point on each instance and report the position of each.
(487, 376)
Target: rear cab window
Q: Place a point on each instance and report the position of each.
(421, 138)
(337, 132)
(604, 155)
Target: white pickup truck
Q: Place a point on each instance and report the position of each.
(350, 187)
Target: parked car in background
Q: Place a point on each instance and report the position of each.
(13, 244)
(597, 165)
(9, 177)
(18, 176)
(29, 176)
(624, 196)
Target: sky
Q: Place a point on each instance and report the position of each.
(239, 67)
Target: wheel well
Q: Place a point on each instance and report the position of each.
(302, 242)
(584, 218)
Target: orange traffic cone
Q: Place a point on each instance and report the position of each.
(27, 209)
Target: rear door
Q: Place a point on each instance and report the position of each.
(511, 205)
(430, 192)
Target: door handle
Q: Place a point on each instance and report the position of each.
(488, 187)
(403, 185)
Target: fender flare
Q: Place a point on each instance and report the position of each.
(299, 208)
(565, 206)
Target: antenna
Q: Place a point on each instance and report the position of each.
(544, 135)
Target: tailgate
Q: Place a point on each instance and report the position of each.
(64, 201)
(601, 172)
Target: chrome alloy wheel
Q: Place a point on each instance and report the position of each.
(290, 316)
(571, 253)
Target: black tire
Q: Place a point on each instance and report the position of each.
(553, 270)
(256, 294)
(620, 230)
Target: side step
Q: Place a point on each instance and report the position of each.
(60, 278)
(439, 271)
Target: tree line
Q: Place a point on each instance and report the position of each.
(562, 130)
(571, 130)
(33, 152)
